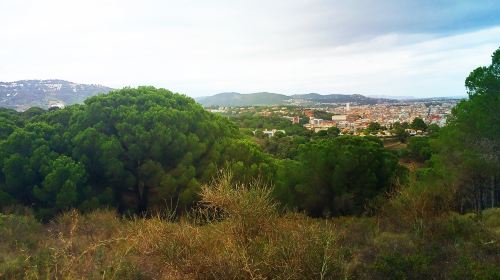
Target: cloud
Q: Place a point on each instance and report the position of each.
(294, 46)
(348, 21)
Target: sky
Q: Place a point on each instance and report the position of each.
(418, 48)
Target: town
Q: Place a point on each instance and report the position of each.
(351, 118)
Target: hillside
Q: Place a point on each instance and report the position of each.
(267, 98)
(238, 99)
(21, 95)
(339, 98)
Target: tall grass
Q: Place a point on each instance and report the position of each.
(237, 232)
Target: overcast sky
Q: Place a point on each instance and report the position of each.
(200, 47)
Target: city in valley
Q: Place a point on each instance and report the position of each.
(351, 118)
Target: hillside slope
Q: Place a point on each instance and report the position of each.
(21, 95)
(267, 98)
(238, 99)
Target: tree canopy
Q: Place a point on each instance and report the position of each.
(338, 175)
(418, 124)
(469, 146)
(135, 149)
(144, 149)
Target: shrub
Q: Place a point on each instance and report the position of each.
(239, 233)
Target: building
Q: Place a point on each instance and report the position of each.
(271, 133)
(339, 118)
(56, 104)
(309, 113)
(352, 118)
(319, 124)
(315, 121)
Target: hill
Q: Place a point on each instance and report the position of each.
(238, 99)
(267, 98)
(339, 98)
(21, 95)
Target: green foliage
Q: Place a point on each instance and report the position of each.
(403, 125)
(418, 124)
(419, 148)
(373, 127)
(330, 132)
(333, 131)
(485, 80)
(319, 114)
(399, 131)
(399, 266)
(140, 150)
(284, 147)
(135, 149)
(339, 176)
(63, 186)
(33, 112)
(469, 146)
(433, 130)
(322, 133)
(247, 120)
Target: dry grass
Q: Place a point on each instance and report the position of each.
(238, 233)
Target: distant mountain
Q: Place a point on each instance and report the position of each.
(238, 99)
(267, 98)
(21, 95)
(397, 97)
(441, 98)
(338, 98)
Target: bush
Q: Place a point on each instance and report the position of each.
(238, 232)
(491, 218)
(398, 266)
